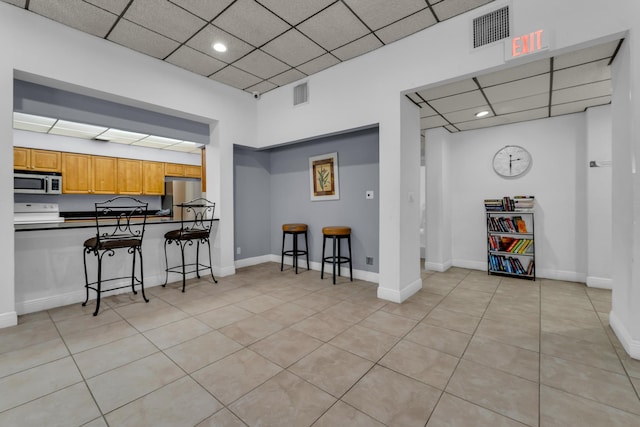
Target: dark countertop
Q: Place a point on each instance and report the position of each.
(87, 223)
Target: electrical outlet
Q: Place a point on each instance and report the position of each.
(238, 250)
(369, 260)
(369, 194)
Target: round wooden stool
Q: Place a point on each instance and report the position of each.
(295, 230)
(336, 233)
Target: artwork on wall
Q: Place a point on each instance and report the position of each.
(323, 176)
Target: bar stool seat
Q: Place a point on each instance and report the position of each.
(336, 233)
(294, 230)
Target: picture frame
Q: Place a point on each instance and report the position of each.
(323, 177)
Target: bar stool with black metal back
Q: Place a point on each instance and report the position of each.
(120, 224)
(196, 222)
(294, 230)
(336, 234)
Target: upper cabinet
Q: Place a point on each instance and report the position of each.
(129, 176)
(104, 175)
(188, 171)
(32, 159)
(76, 173)
(153, 178)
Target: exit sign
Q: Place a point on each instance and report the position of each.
(526, 44)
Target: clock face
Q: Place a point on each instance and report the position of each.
(511, 161)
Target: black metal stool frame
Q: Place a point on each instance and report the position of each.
(295, 252)
(336, 259)
(120, 224)
(196, 222)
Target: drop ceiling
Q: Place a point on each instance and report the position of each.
(275, 42)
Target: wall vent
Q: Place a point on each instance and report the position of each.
(491, 27)
(300, 94)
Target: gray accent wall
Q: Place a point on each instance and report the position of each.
(272, 188)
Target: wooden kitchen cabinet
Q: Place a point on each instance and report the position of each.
(153, 178)
(76, 173)
(129, 176)
(173, 169)
(37, 160)
(191, 171)
(104, 171)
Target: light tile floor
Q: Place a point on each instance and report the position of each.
(272, 348)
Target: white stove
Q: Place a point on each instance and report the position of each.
(36, 213)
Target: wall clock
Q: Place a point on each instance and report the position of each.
(511, 161)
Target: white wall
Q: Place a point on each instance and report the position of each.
(599, 198)
(39, 50)
(557, 179)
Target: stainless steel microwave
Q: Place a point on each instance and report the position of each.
(37, 183)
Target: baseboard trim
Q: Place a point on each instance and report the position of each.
(401, 295)
(471, 265)
(8, 319)
(439, 267)
(599, 282)
(248, 262)
(631, 346)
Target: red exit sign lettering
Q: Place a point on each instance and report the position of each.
(526, 44)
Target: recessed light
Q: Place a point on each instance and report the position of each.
(482, 113)
(219, 47)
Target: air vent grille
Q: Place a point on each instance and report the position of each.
(300, 94)
(491, 27)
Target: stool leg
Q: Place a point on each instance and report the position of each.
(339, 255)
(210, 264)
(306, 248)
(282, 257)
(86, 277)
(99, 284)
(324, 243)
(144, 297)
(166, 263)
(198, 259)
(350, 259)
(133, 272)
(184, 273)
(334, 260)
(295, 251)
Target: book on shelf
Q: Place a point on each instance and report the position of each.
(509, 204)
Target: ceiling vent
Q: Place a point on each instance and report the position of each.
(491, 27)
(300, 94)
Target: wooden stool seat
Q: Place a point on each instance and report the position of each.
(294, 230)
(336, 233)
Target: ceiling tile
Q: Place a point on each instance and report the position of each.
(122, 136)
(113, 6)
(378, 13)
(458, 102)
(192, 60)
(138, 38)
(449, 8)
(209, 35)
(451, 129)
(262, 87)
(522, 116)
(521, 104)
(579, 106)
(76, 14)
(585, 55)
(576, 93)
(293, 48)
(287, 77)
(414, 97)
(184, 146)
(251, 22)
(294, 15)
(409, 25)
(261, 64)
(206, 10)
(357, 47)
(164, 18)
(334, 27)
(79, 130)
(448, 89)
(235, 77)
(19, 3)
(432, 122)
(582, 74)
(516, 73)
(467, 115)
(321, 63)
(426, 110)
(518, 89)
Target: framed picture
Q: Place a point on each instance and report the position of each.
(323, 177)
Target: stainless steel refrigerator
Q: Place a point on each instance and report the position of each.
(178, 191)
